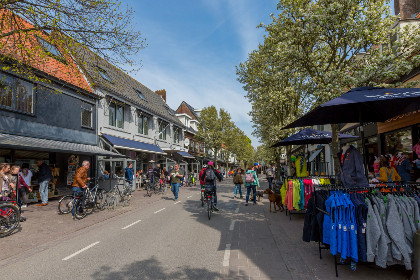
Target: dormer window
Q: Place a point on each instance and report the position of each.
(140, 94)
(104, 74)
(50, 49)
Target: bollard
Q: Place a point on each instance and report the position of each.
(416, 249)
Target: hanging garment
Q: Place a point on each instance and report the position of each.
(352, 172)
(283, 192)
(301, 195)
(301, 168)
(296, 194)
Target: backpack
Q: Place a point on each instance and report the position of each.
(209, 177)
(249, 177)
(270, 172)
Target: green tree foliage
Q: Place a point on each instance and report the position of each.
(317, 50)
(101, 26)
(218, 132)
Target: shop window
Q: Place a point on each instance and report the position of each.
(399, 141)
(116, 115)
(162, 130)
(143, 124)
(16, 94)
(86, 117)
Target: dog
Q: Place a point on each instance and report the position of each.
(275, 199)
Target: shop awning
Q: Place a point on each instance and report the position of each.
(122, 143)
(314, 155)
(29, 143)
(185, 155)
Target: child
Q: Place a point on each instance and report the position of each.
(238, 181)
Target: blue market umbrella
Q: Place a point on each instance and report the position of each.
(364, 104)
(310, 136)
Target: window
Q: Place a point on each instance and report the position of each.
(16, 94)
(50, 49)
(104, 74)
(143, 124)
(6, 86)
(140, 94)
(176, 134)
(116, 115)
(162, 130)
(86, 117)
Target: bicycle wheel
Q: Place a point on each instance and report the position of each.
(65, 204)
(202, 199)
(149, 190)
(100, 199)
(79, 209)
(209, 207)
(9, 219)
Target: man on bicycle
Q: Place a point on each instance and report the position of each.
(209, 177)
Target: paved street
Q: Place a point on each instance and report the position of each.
(156, 238)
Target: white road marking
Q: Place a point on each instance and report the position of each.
(131, 224)
(80, 251)
(189, 196)
(177, 202)
(227, 255)
(232, 225)
(237, 210)
(160, 210)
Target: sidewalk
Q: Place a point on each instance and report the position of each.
(45, 225)
(268, 245)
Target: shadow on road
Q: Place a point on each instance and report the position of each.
(152, 269)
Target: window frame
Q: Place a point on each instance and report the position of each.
(84, 109)
(46, 46)
(104, 75)
(177, 134)
(145, 123)
(162, 130)
(115, 107)
(13, 83)
(140, 94)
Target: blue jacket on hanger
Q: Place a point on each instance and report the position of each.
(351, 169)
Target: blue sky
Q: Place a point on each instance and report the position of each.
(194, 46)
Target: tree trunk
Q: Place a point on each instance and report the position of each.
(335, 148)
(215, 158)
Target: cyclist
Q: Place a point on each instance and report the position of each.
(209, 177)
(81, 178)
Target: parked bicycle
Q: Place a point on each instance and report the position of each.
(158, 186)
(92, 197)
(117, 195)
(9, 217)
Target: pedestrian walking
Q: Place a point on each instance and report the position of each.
(251, 183)
(270, 176)
(238, 181)
(175, 181)
(44, 177)
(20, 185)
(6, 190)
(81, 178)
(129, 174)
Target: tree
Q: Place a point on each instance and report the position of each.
(219, 133)
(317, 50)
(32, 31)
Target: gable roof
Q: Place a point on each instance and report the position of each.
(123, 85)
(190, 108)
(31, 52)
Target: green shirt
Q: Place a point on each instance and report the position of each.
(174, 178)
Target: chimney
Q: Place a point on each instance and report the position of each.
(407, 8)
(161, 93)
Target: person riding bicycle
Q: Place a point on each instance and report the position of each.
(157, 173)
(209, 177)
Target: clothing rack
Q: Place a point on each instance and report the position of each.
(333, 187)
(303, 211)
